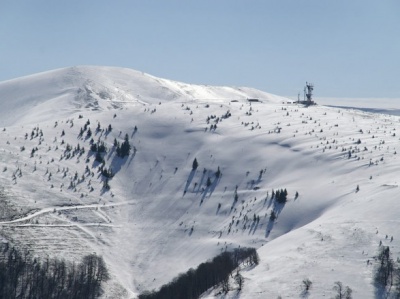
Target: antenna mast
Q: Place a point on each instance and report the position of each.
(310, 88)
(307, 96)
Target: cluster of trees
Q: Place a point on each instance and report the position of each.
(124, 148)
(227, 114)
(341, 291)
(385, 270)
(193, 283)
(213, 127)
(22, 277)
(280, 195)
(85, 127)
(195, 165)
(107, 129)
(36, 132)
(98, 147)
(69, 152)
(106, 172)
(387, 273)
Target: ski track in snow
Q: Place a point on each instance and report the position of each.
(57, 209)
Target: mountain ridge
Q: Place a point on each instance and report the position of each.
(117, 85)
(160, 216)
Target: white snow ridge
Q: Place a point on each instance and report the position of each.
(156, 217)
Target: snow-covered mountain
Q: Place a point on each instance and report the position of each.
(160, 217)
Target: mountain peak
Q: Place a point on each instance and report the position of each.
(65, 90)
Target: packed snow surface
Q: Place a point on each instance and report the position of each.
(160, 217)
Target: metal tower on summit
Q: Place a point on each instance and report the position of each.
(308, 90)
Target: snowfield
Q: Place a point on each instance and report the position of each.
(160, 217)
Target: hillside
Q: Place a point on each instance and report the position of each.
(159, 217)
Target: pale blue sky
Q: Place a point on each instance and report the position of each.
(347, 48)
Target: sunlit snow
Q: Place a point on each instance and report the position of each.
(159, 217)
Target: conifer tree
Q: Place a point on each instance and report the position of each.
(125, 148)
(195, 164)
(89, 133)
(218, 173)
(208, 182)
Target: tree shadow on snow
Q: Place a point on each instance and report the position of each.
(95, 163)
(201, 182)
(271, 200)
(269, 228)
(189, 180)
(233, 206)
(305, 294)
(381, 292)
(218, 209)
(203, 196)
(210, 189)
(117, 163)
(111, 152)
(254, 227)
(131, 157)
(277, 209)
(214, 185)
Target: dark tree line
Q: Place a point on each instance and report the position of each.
(25, 278)
(384, 268)
(193, 283)
(386, 274)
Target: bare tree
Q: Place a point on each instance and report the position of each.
(307, 283)
(385, 267)
(225, 284)
(239, 280)
(341, 291)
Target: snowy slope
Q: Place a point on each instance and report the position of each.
(159, 217)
